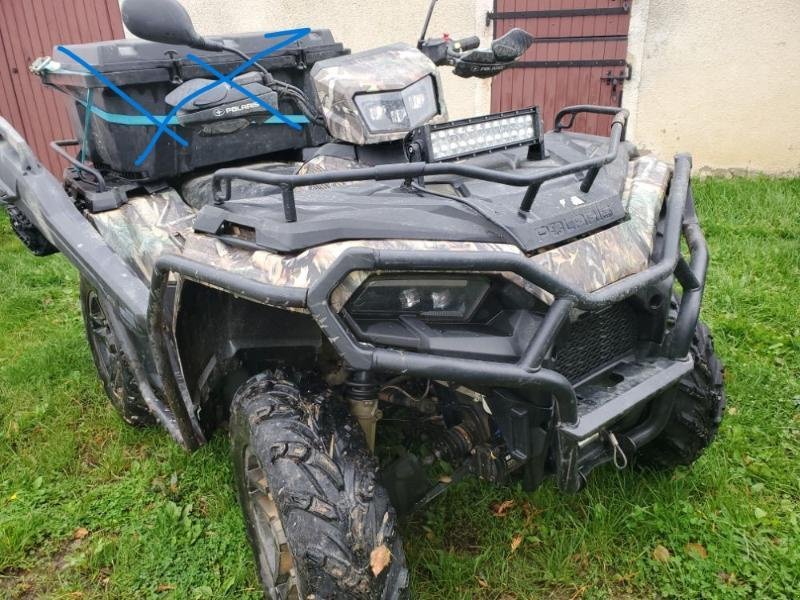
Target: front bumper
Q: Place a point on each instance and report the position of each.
(577, 430)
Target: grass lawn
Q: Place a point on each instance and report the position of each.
(90, 508)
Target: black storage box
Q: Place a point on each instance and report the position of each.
(116, 134)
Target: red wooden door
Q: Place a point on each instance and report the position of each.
(579, 57)
(30, 29)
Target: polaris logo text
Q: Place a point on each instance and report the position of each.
(236, 109)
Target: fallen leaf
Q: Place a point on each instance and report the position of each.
(80, 533)
(661, 554)
(529, 511)
(164, 587)
(445, 479)
(697, 550)
(500, 509)
(482, 583)
(733, 411)
(516, 542)
(379, 559)
(727, 577)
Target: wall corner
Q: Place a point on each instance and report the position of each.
(637, 35)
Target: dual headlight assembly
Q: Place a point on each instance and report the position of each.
(452, 314)
(439, 298)
(392, 112)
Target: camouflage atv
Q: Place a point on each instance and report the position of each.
(368, 294)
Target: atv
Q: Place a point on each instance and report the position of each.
(365, 293)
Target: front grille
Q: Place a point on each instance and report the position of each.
(595, 340)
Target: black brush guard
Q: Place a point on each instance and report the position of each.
(576, 434)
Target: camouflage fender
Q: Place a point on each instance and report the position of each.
(145, 228)
(615, 253)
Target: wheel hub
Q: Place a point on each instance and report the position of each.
(275, 560)
(105, 344)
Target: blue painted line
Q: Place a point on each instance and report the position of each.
(107, 82)
(294, 35)
(142, 121)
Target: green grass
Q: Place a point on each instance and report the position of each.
(164, 524)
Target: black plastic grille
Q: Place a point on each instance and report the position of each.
(595, 340)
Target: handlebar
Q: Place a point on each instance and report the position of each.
(444, 51)
(470, 60)
(468, 43)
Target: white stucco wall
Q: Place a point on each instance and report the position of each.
(360, 25)
(719, 79)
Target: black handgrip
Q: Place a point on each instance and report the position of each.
(512, 45)
(468, 43)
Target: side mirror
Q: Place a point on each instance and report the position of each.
(164, 21)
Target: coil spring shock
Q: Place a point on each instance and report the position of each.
(362, 393)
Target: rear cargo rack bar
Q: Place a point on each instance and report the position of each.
(58, 147)
(419, 170)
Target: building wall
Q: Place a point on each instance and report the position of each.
(720, 79)
(360, 25)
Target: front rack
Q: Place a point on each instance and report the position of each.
(418, 170)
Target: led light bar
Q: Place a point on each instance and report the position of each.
(478, 135)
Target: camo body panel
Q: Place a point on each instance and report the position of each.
(615, 253)
(145, 228)
(149, 226)
(391, 68)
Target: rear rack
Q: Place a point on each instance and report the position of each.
(419, 170)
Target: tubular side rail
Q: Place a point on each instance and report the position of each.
(574, 111)
(416, 170)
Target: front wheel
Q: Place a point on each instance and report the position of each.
(319, 524)
(697, 413)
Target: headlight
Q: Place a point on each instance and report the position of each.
(453, 298)
(389, 112)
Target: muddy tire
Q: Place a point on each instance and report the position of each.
(319, 524)
(112, 365)
(27, 233)
(697, 415)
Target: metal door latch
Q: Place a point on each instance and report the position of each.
(616, 80)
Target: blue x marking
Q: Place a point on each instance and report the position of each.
(163, 123)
